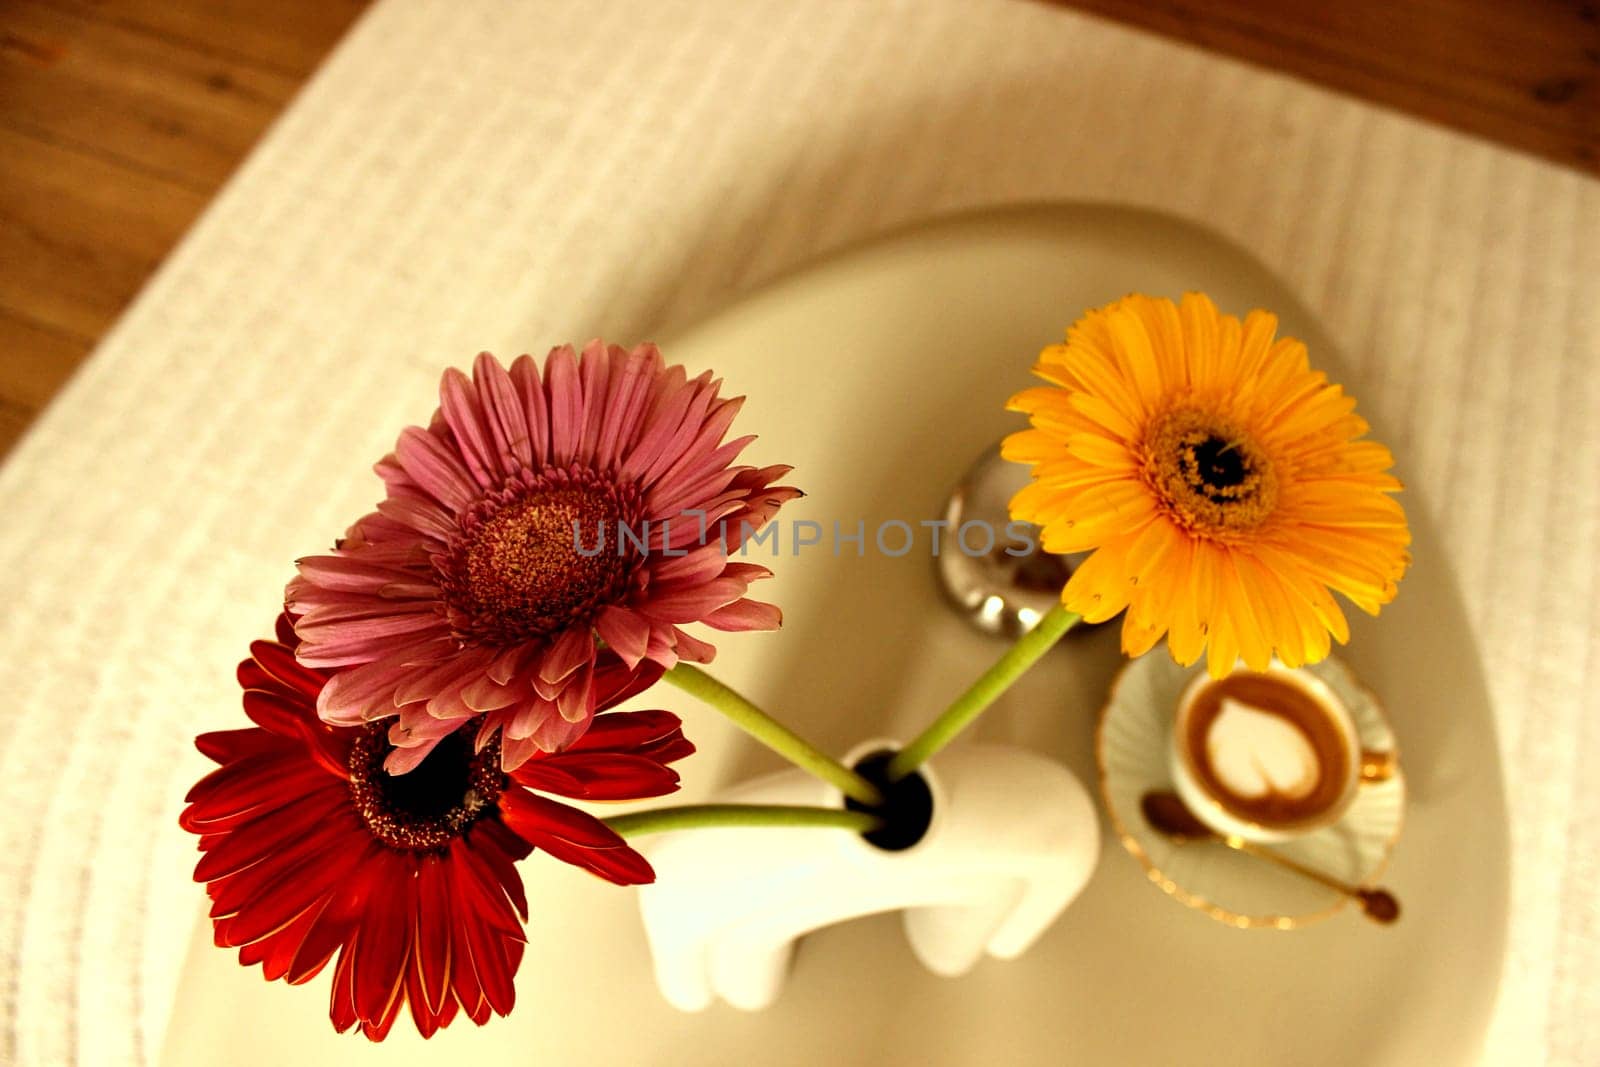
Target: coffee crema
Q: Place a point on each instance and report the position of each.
(1267, 750)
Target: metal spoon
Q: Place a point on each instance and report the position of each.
(1168, 814)
(1003, 589)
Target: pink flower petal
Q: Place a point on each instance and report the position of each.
(514, 752)
(344, 574)
(523, 719)
(575, 702)
(626, 633)
(404, 760)
(530, 390)
(566, 404)
(663, 647)
(681, 494)
(322, 609)
(745, 615)
(485, 694)
(594, 371)
(504, 416)
(691, 603)
(552, 735)
(746, 572)
(419, 513)
(412, 729)
(702, 395)
(572, 649)
(448, 703)
(691, 648)
(361, 639)
(699, 565)
(508, 663)
(436, 470)
(625, 408)
(458, 403)
(367, 691)
(357, 694)
(704, 455)
(422, 682)
(668, 410)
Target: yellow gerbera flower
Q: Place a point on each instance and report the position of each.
(1220, 482)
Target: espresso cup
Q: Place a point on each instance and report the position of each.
(1267, 755)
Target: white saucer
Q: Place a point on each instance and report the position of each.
(1232, 886)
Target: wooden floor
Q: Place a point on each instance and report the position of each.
(1522, 72)
(119, 119)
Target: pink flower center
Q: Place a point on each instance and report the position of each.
(432, 804)
(538, 557)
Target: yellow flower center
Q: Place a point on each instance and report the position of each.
(1213, 478)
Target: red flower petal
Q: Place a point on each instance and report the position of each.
(384, 941)
(298, 875)
(261, 835)
(224, 746)
(598, 776)
(432, 938)
(574, 837)
(627, 731)
(281, 666)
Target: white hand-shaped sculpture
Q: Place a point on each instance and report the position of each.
(1013, 839)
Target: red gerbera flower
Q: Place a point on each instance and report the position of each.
(311, 848)
(469, 593)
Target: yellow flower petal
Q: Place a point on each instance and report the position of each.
(1102, 451)
(1032, 446)
(1099, 588)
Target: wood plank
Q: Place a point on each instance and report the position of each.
(162, 107)
(118, 121)
(1526, 74)
(289, 36)
(79, 234)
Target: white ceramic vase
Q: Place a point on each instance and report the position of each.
(1012, 840)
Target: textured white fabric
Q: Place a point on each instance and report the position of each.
(468, 175)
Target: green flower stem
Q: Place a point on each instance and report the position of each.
(983, 692)
(692, 816)
(772, 733)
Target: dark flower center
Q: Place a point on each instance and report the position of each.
(538, 557)
(434, 803)
(1218, 466)
(1212, 477)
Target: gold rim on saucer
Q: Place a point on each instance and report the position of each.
(1367, 832)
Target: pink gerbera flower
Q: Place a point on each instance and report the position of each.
(503, 575)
